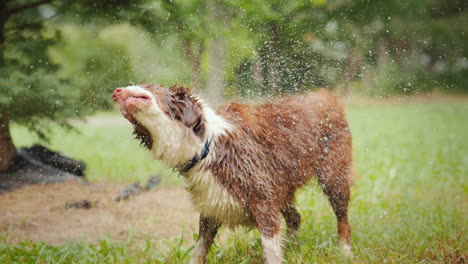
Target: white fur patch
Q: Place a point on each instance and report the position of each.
(213, 200)
(215, 125)
(172, 142)
(346, 249)
(272, 253)
(208, 196)
(199, 252)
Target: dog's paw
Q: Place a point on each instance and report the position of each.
(346, 250)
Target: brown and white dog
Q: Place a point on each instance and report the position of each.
(243, 163)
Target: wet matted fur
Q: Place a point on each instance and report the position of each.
(247, 161)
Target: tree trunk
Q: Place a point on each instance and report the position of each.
(354, 66)
(217, 56)
(382, 54)
(3, 19)
(7, 148)
(257, 71)
(194, 58)
(216, 73)
(192, 48)
(273, 60)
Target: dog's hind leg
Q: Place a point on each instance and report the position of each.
(292, 218)
(207, 232)
(335, 184)
(334, 176)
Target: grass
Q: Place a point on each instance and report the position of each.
(410, 202)
(110, 151)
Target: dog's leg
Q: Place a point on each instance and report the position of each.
(208, 229)
(334, 176)
(337, 187)
(268, 221)
(292, 218)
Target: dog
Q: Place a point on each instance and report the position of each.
(242, 164)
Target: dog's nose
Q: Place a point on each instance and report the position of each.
(120, 93)
(114, 94)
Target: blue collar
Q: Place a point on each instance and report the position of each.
(197, 158)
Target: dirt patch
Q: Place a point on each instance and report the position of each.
(38, 213)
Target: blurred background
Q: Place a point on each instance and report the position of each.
(62, 59)
(400, 66)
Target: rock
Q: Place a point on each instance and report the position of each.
(54, 159)
(84, 204)
(136, 188)
(26, 169)
(153, 182)
(129, 191)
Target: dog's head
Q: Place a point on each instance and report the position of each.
(169, 122)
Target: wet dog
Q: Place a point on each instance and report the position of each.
(242, 164)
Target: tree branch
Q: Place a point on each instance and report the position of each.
(21, 8)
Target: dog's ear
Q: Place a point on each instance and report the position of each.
(180, 96)
(180, 92)
(148, 86)
(185, 108)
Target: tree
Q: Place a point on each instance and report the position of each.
(201, 28)
(18, 67)
(389, 46)
(398, 43)
(283, 60)
(256, 47)
(31, 91)
(220, 18)
(187, 21)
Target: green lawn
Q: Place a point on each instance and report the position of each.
(410, 198)
(110, 151)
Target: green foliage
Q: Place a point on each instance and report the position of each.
(61, 60)
(36, 87)
(421, 38)
(29, 90)
(92, 66)
(408, 204)
(302, 44)
(394, 78)
(283, 56)
(151, 60)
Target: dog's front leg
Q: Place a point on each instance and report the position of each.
(208, 229)
(268, 220)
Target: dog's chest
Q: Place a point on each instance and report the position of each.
(212, 199)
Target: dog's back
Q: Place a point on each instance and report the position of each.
(276, 147)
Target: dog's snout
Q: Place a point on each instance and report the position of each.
(114, 94)
(120, 93)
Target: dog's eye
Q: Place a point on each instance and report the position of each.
(197, 127)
